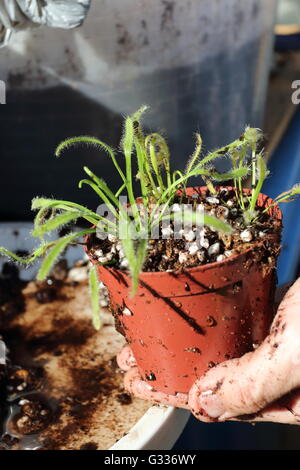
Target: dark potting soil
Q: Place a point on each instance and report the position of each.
(60, 387)
(201, 246)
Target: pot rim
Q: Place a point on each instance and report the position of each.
(203, 267)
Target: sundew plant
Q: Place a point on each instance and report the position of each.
(158, 187)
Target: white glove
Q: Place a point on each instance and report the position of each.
(21, 14)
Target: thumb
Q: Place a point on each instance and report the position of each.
(240, 387)
(248, 384)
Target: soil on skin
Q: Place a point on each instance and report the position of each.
(197, 248)
(60, 388)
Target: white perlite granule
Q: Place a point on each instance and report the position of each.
(246, 236)
(189, 236)
(193, 248)
(212, 200)
(182, 257)
(167, 232)
(214, 249)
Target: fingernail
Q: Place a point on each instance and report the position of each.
(211, 404)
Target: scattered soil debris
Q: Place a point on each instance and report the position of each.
(60, 385)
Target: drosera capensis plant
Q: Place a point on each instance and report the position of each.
(159, 187)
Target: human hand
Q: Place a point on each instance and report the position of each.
(263, 385)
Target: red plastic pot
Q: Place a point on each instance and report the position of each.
(183, 323)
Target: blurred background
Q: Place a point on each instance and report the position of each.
(202, 65)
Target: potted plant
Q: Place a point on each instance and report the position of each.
(190, 270)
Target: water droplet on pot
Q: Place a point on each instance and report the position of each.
(236, 288)
(193, 350)
(127, 312)
(210, 321)
(211, 364)
(187, 287)
(151, 377)
(178, 304)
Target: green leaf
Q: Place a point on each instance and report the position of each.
(252, 136)
(127, 144)
(289, 195)
(159, 152)
(58, 248)
(230, 175)
(27, 260)
(95, 297)
(217, 224)
(120, 190)
(221, 152)
(152, 142)
(144, 175)
(135, 252)
(101, 194)
(102, 185)
(135, 249)
(47, 203)
(195, 156)
(140, 256)
(262, 174)
(138, 114)
(90, 216)
(175, 174)
(55, 222)
(90, 141)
